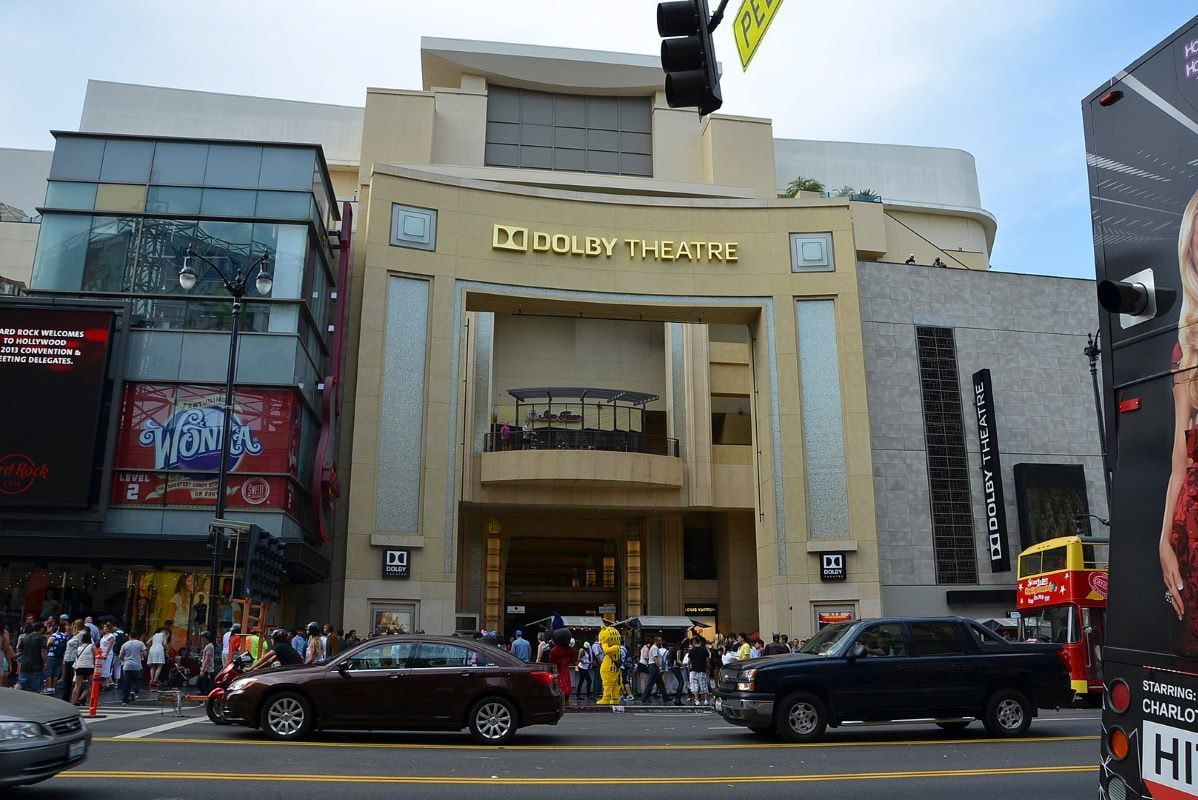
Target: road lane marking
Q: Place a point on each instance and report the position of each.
(573, 780)
(594, 747)
(166, 726)
(119, 713)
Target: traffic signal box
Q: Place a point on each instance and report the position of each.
(688, 56)
(265, 567)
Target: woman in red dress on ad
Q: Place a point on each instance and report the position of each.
(1179, 534)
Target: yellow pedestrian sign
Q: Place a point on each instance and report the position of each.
(750, 25)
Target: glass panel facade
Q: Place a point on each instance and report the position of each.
(287, 205)
(71, 195)
(110, 253)
(179, 162)
(233, 165)
(541, 130)
(823, 420)
(173, 200)
(120, 197)
(126, 161)
(227, 203)
(77, 159)
(286, 168)
(61, 251)
(137, 249)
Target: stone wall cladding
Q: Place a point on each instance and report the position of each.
(1029, 331)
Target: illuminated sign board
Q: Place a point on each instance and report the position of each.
(53, 366)
(522, 240)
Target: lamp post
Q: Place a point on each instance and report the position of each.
(236, 287)
(1092, 351)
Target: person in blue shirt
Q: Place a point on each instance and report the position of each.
(521, 649)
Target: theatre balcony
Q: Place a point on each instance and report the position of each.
(580, 436)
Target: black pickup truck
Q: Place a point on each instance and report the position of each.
(943, 670)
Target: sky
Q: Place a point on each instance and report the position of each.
(1003, 81)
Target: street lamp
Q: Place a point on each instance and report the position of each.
(236, 287)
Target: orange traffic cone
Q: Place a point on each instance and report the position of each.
(96, 679)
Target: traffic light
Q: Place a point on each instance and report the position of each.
(265, 567)
(688, 55)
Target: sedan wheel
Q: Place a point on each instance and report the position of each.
(1008, 713)
(212, 706)
(286, 716)
(801, 717)
(493, 721)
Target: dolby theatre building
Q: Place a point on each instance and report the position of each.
(601, 369)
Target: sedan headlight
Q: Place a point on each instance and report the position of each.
(745, 680)
(242, 683)
(21, 731)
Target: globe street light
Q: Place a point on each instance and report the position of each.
(236, 287)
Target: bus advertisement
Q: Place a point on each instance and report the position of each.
(1061, 598)
(1142, 155)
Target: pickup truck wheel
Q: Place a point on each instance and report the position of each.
(1008, 714)
(801, 717)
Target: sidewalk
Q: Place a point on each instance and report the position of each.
(635, 706)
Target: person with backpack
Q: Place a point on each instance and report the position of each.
(674, 665)
(596, 662)
(54, 652)
(583, 667)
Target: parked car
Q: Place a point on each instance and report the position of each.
(39, 737)
(944, 670)
(400, 683)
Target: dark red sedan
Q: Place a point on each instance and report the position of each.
(435, 683)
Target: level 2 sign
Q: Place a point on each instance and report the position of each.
(397, 563)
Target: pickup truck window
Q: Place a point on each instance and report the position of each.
(828, 640)
(884, 640)
(936, 638)
(987, 639)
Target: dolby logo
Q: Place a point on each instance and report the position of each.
(508, 237)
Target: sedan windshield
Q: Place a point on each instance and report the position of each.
(827, 641)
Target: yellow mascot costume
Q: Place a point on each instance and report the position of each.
(609, 670)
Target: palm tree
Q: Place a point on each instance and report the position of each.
(801, 184)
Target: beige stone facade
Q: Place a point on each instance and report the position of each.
(752, 496)
(689, 287)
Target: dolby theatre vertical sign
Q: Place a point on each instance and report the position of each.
(996, 514)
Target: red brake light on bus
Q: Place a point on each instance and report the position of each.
(1118, 696)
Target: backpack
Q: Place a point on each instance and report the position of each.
(121, 638)
(626, 659)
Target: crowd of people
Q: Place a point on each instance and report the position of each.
(64, 657)
(686, 668)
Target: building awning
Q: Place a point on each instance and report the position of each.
(589, 623)
(661, 623)
(582, 393)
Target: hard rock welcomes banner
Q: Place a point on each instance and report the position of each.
(168, 452)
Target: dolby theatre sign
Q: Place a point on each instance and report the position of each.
(522, 240)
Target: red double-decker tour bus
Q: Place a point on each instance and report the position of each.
(1061, 598)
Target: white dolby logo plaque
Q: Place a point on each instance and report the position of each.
(831, 567)
(397, 564)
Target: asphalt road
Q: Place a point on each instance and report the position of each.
(140, 754)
